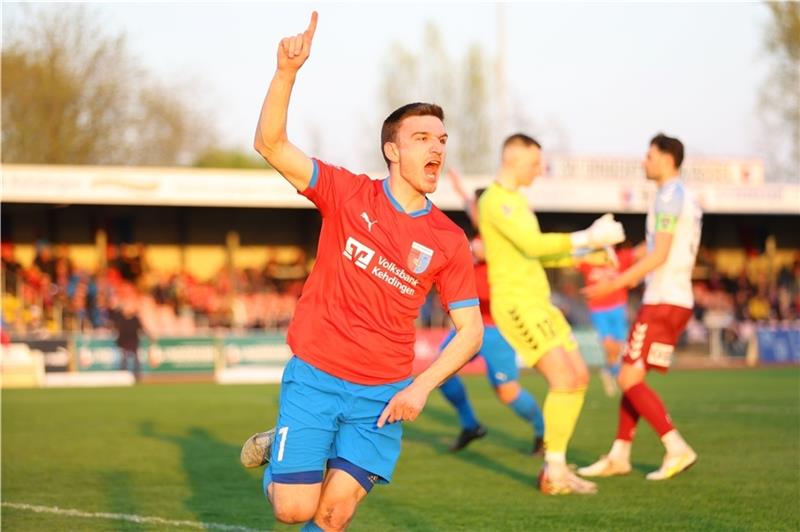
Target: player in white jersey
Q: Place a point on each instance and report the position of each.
(674, 222)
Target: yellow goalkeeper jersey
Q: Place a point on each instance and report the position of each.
(516, 249)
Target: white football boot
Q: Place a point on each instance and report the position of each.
(257, 448)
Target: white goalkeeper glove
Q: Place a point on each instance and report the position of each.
(605, 231)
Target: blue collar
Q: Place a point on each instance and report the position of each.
(415, 214)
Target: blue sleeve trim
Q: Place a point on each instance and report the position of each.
(301, 477)
(364, 477)
(447, 339)
(464, 303)
(314, 174)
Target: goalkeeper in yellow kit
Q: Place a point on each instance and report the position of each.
(517, 253)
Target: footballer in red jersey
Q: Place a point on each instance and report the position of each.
(382, 246)
(609, 313)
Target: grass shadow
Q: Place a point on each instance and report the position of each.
(448, 418)
(221, 490)
(414, 433)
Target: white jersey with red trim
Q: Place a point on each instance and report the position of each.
(677, 211)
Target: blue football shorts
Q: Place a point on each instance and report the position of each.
(322, 417)
(611, 323)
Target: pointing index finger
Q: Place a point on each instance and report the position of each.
(312, 26)
(384, 415)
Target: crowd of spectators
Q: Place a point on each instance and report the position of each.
(754, 294)
(51, 295)
(735, 304)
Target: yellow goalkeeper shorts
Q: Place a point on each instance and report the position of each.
(533, 329)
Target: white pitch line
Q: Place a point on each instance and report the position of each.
(126, 517)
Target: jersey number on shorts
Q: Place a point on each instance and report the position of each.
(282, 432)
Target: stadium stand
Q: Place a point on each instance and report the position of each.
(222, 250)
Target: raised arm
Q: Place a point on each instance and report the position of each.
(470, 205)
(271, 140)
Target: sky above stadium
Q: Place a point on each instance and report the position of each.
(604, 76)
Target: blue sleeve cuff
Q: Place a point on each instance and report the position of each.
(464, 303)
(314, 174)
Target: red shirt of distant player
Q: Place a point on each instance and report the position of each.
(596, 273)
(482, 284)
(375, 265)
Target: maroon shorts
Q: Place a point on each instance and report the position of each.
(654, 334)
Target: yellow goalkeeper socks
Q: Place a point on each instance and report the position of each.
(561, 411)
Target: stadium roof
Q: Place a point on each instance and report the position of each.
(580, 191)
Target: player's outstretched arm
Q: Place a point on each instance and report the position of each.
(634, 275)
(407, 404)
(605, 231)
(271, 140)
(520, 227)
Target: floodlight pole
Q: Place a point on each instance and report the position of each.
(500, 74)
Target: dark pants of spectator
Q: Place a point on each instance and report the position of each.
(134, 356)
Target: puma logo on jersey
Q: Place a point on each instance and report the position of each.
(370, 223)
(359, 253)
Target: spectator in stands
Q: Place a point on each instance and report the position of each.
(12, 270)
(758, 306)
(78, 294)
(129, 266)
(126, 323)
(100, 311)
(45, 261)
(113, 262)
(164, 290)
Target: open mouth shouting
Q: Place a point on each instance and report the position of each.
(432, 168)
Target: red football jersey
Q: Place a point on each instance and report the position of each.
(593, 274)
(375, 265)
(482, 284)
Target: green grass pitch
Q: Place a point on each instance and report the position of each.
(171, 451)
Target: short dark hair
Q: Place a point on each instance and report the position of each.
(521, 138)
(479, 192)
(392, 122)
(670, 146)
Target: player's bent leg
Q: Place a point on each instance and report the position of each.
(346, 485)
(503, 375)
(307, 424)
(523, 404)
(630, 375)
(607, 373)
(612, 348)
(471, 429)
(294, 503)
(508, 392)
(618, 461)
(579, 369)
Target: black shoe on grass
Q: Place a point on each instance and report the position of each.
(466, 437)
